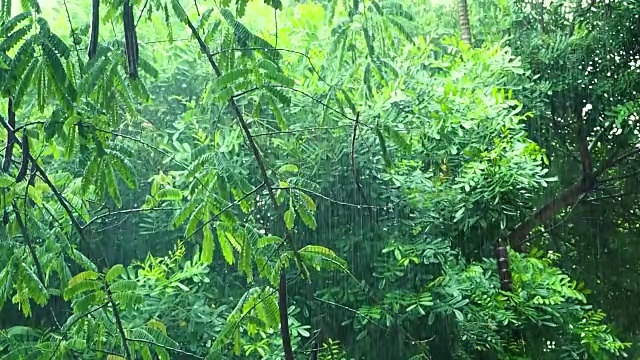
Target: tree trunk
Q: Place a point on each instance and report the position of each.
(463, 14)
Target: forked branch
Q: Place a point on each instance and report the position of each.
(569, 196)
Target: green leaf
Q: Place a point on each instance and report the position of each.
(225, 246)
(323, 254)
(208, 246)
(288, 168)
(6, 180)
(308, 201)
(168, 194)
(179, 11)
(289, 218)
(268, 240)
(306, 215)
(245, 258)
(114, 272)
(282, 122)
(123, 167)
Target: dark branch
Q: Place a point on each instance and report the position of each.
(252, 144)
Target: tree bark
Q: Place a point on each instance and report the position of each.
(564, 199)
(463, 14)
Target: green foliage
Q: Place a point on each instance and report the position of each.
(395, 154)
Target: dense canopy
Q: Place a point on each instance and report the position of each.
(319, 179)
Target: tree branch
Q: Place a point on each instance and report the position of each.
(573, 194)
(564, 199)
(252, 144)
(125, 211)
(47, 181)
(284, 317)
(118, 320)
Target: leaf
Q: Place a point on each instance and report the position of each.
(6, 180)
(245, 258)
(83, 276)
(288, 168)
(282, 122)
(114, 272)
(225, 246)
(458, 314)
(168, 194)
(324, 255)
(179, 11)
(268, 240)
(184, 214)
(306, 215)
(195, 218)
(383, 147)
(123, 167)
(289, 218)
(82, 283)
(308, 201)
(208, 246)
(111, 183)
(397, 138)
(6, 283)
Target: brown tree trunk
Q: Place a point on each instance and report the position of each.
(463, 14)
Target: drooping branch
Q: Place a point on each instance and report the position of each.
(130, 39)
(34, 257)
(284, 317)
(95, 28)
(8, 151)
(45, 178)
(354, 167)
(250, 140)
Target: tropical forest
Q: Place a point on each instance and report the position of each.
(320, 179)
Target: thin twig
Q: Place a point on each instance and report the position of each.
(354, 168)
(328, 198)
(63, 334)
(126, 211)
(176, 350)
(73, 35)
(144, 7)
(275, 48)
(294, 131)
(621, 177)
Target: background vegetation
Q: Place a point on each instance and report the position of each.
(323, 179)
